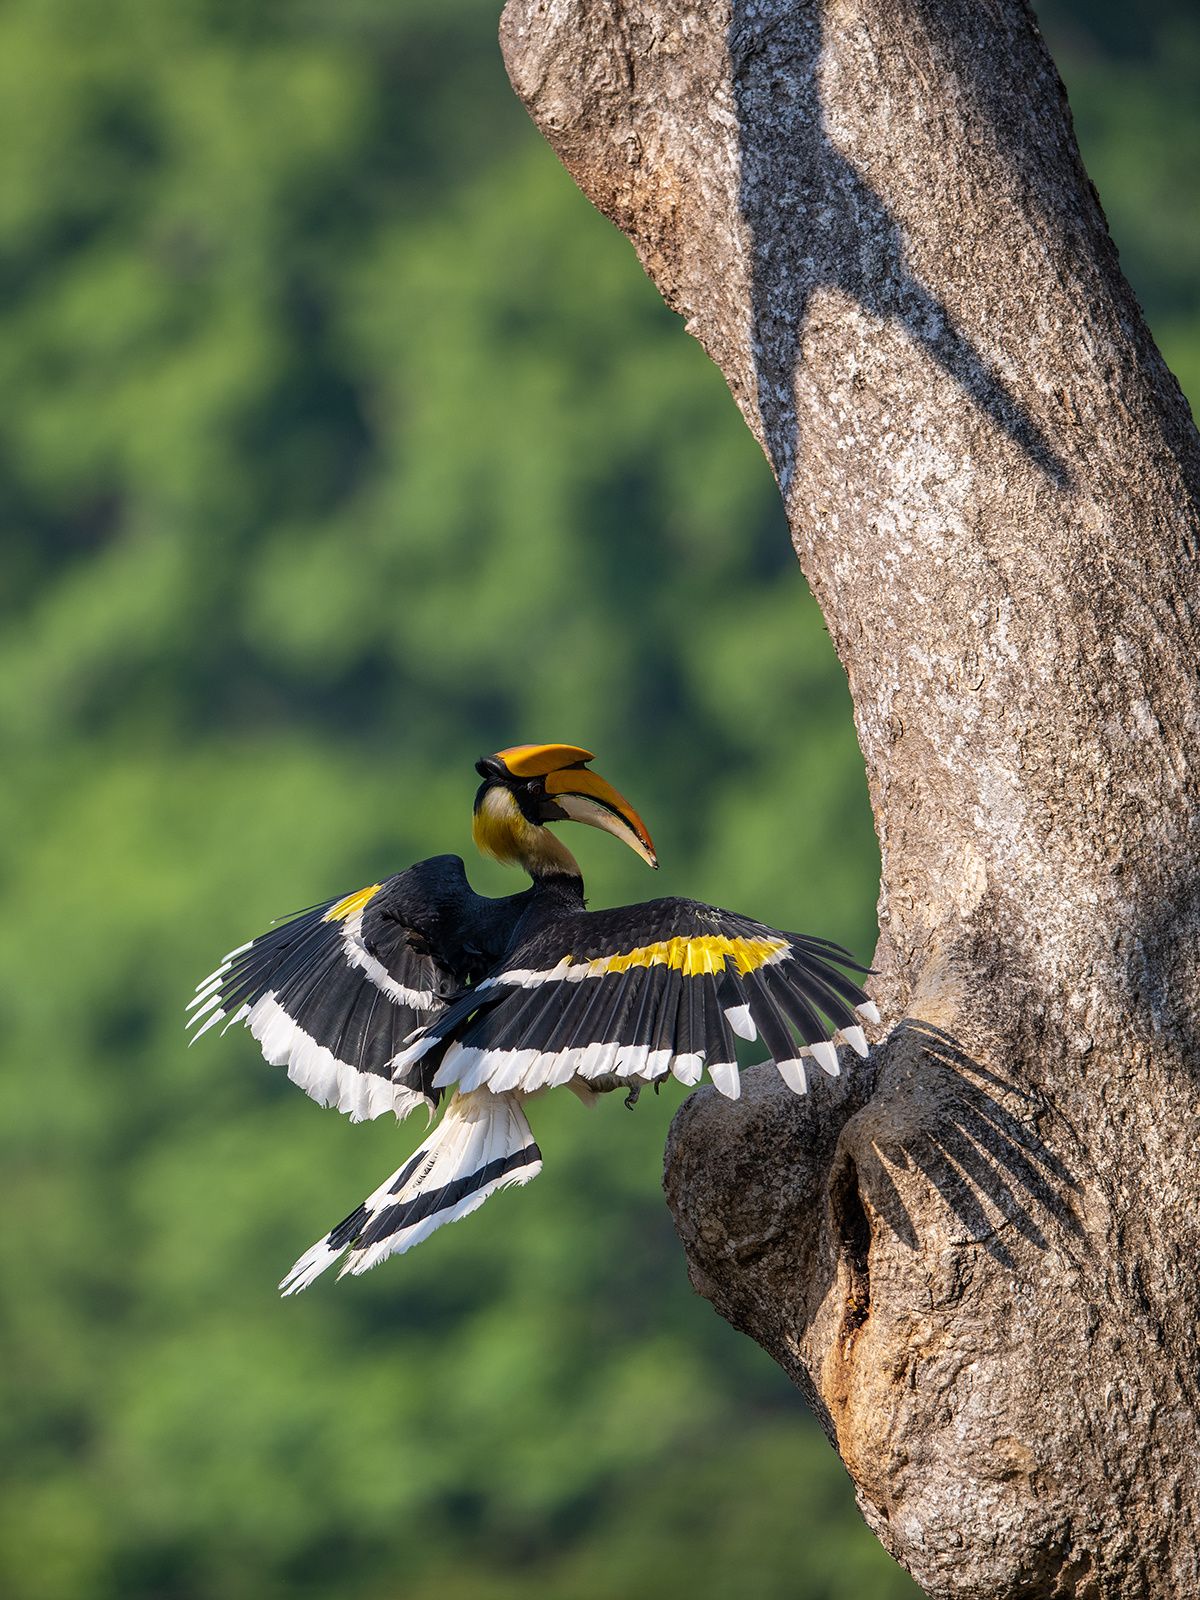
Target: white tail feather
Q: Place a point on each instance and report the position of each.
(483, 1143)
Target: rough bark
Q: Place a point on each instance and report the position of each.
(978, 1255)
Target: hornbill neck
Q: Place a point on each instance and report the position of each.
(557, 889)
(550, 864)
(505, 833)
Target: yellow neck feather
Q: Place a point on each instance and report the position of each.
(501, 831)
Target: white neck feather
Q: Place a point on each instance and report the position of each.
(503, 832)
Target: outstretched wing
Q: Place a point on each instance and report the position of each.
(332, 994)
(640, 992)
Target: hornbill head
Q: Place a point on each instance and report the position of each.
(530, 785)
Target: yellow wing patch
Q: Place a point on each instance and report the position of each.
(705, 953)
(352, 903)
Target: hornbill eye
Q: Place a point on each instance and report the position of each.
(529, 793)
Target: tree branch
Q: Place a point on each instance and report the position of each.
(979, 1258)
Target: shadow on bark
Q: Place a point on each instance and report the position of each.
(774, 1194)
(799, 196)
(975, 1147)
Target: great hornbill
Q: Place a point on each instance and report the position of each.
(386, 998)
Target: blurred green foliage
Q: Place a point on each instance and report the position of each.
(344, 442)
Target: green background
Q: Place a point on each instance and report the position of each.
(341, 443)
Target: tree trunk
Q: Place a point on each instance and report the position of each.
(977, 1256)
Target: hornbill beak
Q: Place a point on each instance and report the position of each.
(551, 783)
